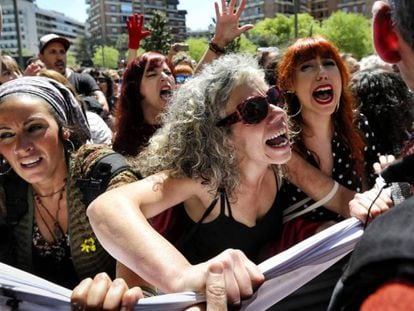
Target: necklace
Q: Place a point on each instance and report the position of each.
(57, 232)
(53, 193)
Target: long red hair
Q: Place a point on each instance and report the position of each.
(303, 50)
(129, 116)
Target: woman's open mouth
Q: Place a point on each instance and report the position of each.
(323, 94)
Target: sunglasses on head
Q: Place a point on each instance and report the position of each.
(254, 109)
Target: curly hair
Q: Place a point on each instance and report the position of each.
(190, 144)
(129, 115)
(384, 98)
(305, 49)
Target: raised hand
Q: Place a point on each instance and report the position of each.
(134, 24)
(227, 22)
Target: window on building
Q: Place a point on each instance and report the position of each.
(114, 30)
(126, 8)
(113, 8)
(114, 19)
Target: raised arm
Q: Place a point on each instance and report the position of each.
(119, 219)
(227, 29)
(135, 25)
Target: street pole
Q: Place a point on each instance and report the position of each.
(19, 41)
(296, 10)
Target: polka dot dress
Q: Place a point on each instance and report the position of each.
(343, 172)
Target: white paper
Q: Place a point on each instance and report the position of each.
(284, 272)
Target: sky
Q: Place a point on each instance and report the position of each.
(199, 12)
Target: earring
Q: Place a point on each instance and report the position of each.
(69, 146)
(337, 107)
(4, 163)
(293, 101)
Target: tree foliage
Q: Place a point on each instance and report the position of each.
(197, 47)
(280, 30)
(246, 46)
(160, 38)
(122, 44)
(71, 60)
(350, 32)
(83, 49)
(106, 57)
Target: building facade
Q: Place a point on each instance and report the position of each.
(34, 23)
(257, 10)
(107, 18)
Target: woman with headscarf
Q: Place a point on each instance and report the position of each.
(44, 159)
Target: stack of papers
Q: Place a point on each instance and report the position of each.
(284, 273)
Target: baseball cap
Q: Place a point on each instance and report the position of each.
(49, 38)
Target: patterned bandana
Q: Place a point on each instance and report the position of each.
(59, 97)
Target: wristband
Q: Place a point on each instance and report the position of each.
(215, 48)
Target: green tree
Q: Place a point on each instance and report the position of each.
(271, 31)
(279, 31)
(197, 47)
(350, 32)
(307, 25)
(83, 49)
(246, 46)
(109, 59)
(71, 60)
(122, 44)
(160, 38)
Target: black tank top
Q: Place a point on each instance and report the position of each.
(202, 241)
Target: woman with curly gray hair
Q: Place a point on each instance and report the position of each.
(216, 160)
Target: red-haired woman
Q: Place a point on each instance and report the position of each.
(147, 85)
(331, 136)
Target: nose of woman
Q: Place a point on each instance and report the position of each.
(322, 73)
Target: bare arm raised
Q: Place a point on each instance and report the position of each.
(227, 29)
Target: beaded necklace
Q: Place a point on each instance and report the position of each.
(56, 232)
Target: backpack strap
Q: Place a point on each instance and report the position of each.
(103, 170)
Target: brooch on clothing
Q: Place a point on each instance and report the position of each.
(88, 245)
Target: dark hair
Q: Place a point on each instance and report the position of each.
(386, 101)
(402, 16)
(129, 115)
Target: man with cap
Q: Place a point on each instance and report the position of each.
(52, 52)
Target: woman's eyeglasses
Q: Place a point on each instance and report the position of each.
(254, 109)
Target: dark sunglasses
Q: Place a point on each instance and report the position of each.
(254, 109)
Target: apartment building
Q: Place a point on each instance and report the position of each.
(106, 18)
(257, 10)
(34, 23)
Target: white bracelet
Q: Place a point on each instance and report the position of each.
(317, 204)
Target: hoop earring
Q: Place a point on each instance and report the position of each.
(4, 163)
(337, 107)
(292, 102)
(69, 146)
